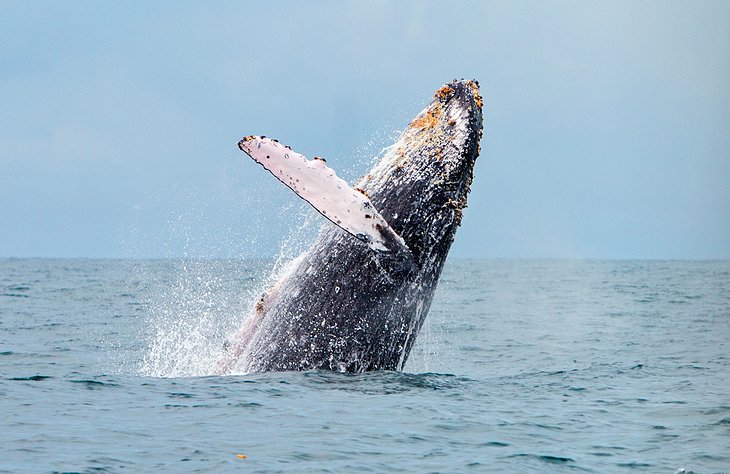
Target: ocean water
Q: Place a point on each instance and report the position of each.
(523, 366)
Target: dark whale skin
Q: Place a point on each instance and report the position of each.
(343, 306)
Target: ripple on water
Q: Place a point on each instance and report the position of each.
(495, 444)
(32, 378)
(93, 384)
(546, 458)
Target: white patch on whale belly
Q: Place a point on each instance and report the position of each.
(331, 196)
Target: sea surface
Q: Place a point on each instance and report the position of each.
(523, 366)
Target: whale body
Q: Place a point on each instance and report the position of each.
(356, 299)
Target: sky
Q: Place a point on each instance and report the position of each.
(606, 133)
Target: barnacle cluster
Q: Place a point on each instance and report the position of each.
(445, 92)
(429, 119)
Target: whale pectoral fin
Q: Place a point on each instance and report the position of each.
(331, 196)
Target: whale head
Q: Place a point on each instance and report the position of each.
(421, 184)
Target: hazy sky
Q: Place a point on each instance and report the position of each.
(607, 124)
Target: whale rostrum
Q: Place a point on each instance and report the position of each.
(356, 299)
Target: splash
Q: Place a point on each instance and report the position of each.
(196, 304)
(193, 305)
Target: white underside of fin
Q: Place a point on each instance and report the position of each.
(316, 183)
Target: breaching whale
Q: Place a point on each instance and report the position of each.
(357, 298)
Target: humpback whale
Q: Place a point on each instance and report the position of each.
(357, 298)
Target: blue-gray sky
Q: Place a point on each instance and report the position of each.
(607, 124)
